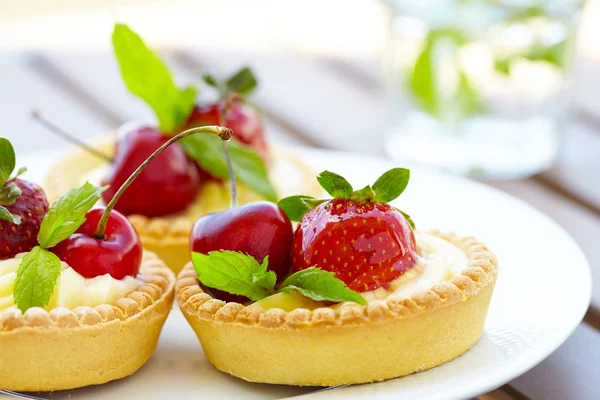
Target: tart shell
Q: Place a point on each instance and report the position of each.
(66, 349)
(353, 344)
(168, 237)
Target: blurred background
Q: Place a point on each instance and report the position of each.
(505, 91)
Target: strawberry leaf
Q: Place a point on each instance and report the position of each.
(9, 194)
(235, 273)
(210, 80)
(391, 184)
(6, 215)
(408, 218)
(21, 171)
(36, 278)
(242, 82)
(364, 194)
(320, 285)
(67, 214)
(249, 168)
(149, 78)
(7, 160)
(297, 206)
(336, 185)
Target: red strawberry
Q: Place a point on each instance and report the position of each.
(357, 235)
(367, 245)
(241, 118)
(31, 206)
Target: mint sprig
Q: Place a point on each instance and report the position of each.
(235, 273)
(388, 187)
(39, 269)
(36, 277)
(149, 78)
(7, 160)
(242, 275)
(9, 193)
(320, 285)
(67, 214)
(249, 167)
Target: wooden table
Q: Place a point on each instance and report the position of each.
(316, 102)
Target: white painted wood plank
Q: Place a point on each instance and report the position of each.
(571, 372)
(316, 100)
(578, 168)
(21, 91)
(97, 73)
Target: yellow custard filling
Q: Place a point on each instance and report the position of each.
(439, 260)
(215, 195)
(71, 290)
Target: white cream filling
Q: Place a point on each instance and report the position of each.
(71, 290)
(439, 260)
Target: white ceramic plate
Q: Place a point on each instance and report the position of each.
(542, 293)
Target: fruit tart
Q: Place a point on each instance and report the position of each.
(355, 294)
(81, 302)
(188, 179)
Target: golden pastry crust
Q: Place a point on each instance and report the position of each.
(65, 349)
(168, 236)
(404, 334)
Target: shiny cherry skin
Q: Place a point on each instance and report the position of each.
(118, 254)
(166, 186)
(259, 229)
(242, 119)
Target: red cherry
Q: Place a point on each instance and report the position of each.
(241, 118)
(259, 229)
(119, 253)
(166, 186)
(366, 245)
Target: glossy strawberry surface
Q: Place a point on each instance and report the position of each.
(243, 120)
(367, 245)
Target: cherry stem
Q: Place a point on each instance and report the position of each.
(224, 109)
(37, 116)
(224, 133)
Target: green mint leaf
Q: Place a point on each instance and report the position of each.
(364, 194)
(391, 184)
(408, 218)
(21, 171)
(9, 194)
(36, 277)
(249, 168)
(7, 160)
(235, 273)
(297, 206)
(149, 78)
(336, 185)
(242, 82)
(5, 215)
(320, 285)
(67, 214)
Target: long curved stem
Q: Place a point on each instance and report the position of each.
(222, 116)
(220, 131)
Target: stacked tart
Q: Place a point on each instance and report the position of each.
(190, 178)
(81, 302)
